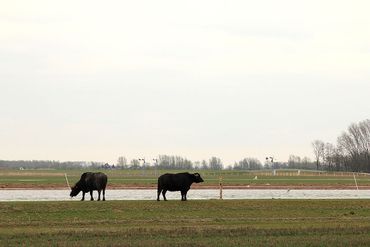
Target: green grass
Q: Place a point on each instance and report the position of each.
(191, 223)
(121, 178)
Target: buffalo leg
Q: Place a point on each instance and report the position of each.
(91, 194)
(183, 195)
(83, 196)
(164, 194)
(103, 194)
(158, 194)
(99, 195)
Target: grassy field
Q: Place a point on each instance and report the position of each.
(191, 223)
(145, 178)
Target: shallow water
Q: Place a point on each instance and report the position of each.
(63, 195)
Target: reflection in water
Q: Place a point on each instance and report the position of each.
(62, 195)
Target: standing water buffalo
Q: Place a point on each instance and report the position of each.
(177, 182)
(90, 181)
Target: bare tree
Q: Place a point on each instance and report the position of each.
(294, 161)
(215, 163)
(205, 165)
(319, 151)
(329, 153)
(248, 164)
(356, 145)
(135, 164)
(174, 162)
(122, 162)
(352, 152)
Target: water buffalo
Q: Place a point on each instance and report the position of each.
(177, 182)
(90, 181)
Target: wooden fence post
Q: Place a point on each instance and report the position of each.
(221, 187)
(65, 175)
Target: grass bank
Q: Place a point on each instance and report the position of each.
(36, 179)
(191, 223)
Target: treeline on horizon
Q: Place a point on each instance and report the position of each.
(351, 153)
(164, 162)
(48, 164)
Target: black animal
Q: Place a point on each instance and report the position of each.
(90, 181)
(177, 182)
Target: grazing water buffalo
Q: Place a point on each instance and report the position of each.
(177, 182)
(90, 181)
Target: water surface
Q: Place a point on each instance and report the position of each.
(150, 194)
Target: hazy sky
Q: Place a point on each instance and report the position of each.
(93, 80)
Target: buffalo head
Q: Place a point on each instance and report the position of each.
(198, 178)
(75, 190)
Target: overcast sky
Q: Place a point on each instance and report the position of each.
(94, 80)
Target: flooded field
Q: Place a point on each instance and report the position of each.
(150, 194)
